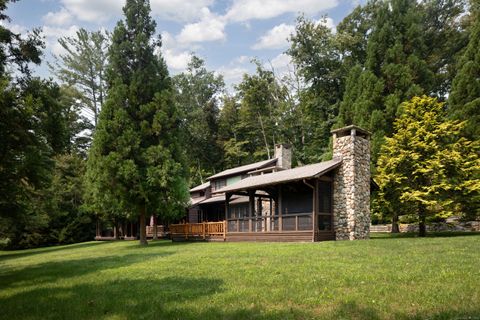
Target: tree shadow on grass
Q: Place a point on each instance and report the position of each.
(160, 298)
(60, 270)
(31, 252)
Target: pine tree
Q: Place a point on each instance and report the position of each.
(83, 66)
(426, 167)
(136, 161)
(464, 100)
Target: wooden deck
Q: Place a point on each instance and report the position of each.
(218, 231)
(206, 231)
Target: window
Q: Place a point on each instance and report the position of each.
(218, 184)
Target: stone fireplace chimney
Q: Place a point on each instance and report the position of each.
(351, 196)
(283, 152)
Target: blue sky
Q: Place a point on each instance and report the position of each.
(226, 34)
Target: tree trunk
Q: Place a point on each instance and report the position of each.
(115, 233)
(422, 227)
(395, 228)
(143, 226)
(98, 231)
(155, 227)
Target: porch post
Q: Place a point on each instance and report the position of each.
(280, 209)
(227, 209)
(155, 237)
(315, 210)
(251, 202)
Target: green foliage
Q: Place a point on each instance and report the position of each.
(318, 58)
(136, 161)
(426, 167)
(464, 100)
(198, 92)
(83, 66)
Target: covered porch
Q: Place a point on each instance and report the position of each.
(291, 205)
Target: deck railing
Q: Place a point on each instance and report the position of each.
(286, 222)
(160, 231)
(203, 229)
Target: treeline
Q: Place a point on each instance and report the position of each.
(119, 139)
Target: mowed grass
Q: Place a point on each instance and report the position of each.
(381, 278)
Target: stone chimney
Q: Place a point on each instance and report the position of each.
(351, 196)
(283, 152)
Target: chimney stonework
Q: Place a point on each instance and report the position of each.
(351, 195)
(283, 152)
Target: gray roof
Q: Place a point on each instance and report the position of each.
(299, 173)
(220, 198)
(195, 201)
(245, 168)
(201, 187)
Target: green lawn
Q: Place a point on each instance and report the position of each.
(382, 278)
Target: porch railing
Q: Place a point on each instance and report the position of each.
(160, 231)
(286, 222)
(204, 230)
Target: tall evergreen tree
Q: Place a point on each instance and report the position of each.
(464, 100)
(136, 161)
(83, 66)
(197, 96)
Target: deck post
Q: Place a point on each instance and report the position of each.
(251, 211)
(224, 230)
(204, 226)
(280, 209)
(315, 210)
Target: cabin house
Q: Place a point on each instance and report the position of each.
(270, 201)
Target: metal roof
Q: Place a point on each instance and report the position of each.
(201, 187)
(245, 168)
(299, 173)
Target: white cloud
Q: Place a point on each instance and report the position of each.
(52, 34)
(58, 18)
(281, 63)
(15, 28)
(179, 10)
(209, 28)
(243, 10)
(177, 60)
(93, 10)
(174, 55)
(242, 59)
(232, 75)
(329, 23)
(275, 38)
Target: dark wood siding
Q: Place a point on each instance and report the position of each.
(297, 236)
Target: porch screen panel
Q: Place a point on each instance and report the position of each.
(325, 207)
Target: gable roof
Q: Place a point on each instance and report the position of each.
(201, 187)
(245, 168)
(299, 173)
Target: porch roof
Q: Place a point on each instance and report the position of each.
(299, 173)
(221, 198)
(201, 187)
